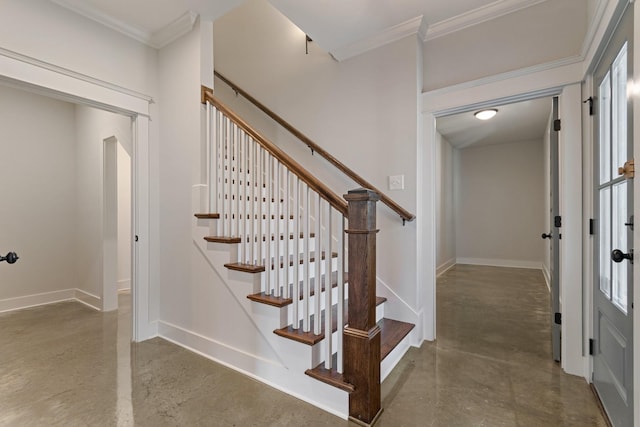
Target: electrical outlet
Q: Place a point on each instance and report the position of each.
(396, 182)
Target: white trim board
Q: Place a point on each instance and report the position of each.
(47, 298)
(500, 263)
(258, 368)
(445, 266)
(513, 87)
(50, 80)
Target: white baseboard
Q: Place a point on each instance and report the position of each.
(45, 298)
(124, 284)
(90, 300)
(500, 263)
(442, 268)
(251, 365)
(18, 303)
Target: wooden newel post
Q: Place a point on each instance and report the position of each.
(362, 336)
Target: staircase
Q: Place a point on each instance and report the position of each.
(273, 226)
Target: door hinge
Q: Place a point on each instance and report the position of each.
(590, 101)
(557, 318)
(592, 346)
(557, 125)
(557, 221)
(592, 229)
(136, 238)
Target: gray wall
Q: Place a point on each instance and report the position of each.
(37, 181)
(445, 230)
(499, 193)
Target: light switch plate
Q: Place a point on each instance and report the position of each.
(396, 182)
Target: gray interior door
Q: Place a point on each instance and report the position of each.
(554, 234)
(613, 258)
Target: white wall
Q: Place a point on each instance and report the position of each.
(37, 213)
(363, 111)
(499, 204)
(43, 30)
(124, 218)
(92, 128)
(511, 42)
(179, 152)
(445, 213)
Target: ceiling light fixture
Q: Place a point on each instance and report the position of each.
(486, 114)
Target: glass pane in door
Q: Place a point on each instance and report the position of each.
(619, 110)
(619, 234)
(605, 241)
(604, 97)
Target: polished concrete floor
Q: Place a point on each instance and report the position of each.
(67, 365)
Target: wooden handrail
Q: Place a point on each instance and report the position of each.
(334, 200)
(404, 214)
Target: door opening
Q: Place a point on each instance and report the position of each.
(117, 214)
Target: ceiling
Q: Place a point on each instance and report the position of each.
(345, 29)
(522, 121)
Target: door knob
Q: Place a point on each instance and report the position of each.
(618, 256)
(546, 236)
(11, 258)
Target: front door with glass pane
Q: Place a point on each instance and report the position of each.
(613, 316)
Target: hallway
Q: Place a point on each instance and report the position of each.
(67, 365)
(491, 363)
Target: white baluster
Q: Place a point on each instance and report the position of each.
(209, 159)
(328, 246)
(237, 138)
(306, 316)
(227, 178)
(317, 324)
(340, 299)
(268, 229)
(242, 210)
(219, 172)
(277, 209)
(297, 219)
(286, 232)
(252, 205)
(260, 206)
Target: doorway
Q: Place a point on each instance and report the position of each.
(117, 235)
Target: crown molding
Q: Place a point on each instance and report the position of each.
(477, 16)
(157, 39)
(413, 26)
(174, 30)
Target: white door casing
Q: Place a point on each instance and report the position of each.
(46, 79)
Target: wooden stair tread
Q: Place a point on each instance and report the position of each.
(263, 298)
(391, 333)
(207, 215)
(250, 268)
(312, 258)
(223, 239)
(311, 236)
(330, 376)
(309, 337)
(247, 268)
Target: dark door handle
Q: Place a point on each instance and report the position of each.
(11, 258)
(618, 256)
(546, 236)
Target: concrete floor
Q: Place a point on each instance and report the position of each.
(67, 365)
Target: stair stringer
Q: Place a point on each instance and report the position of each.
(278, 362)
